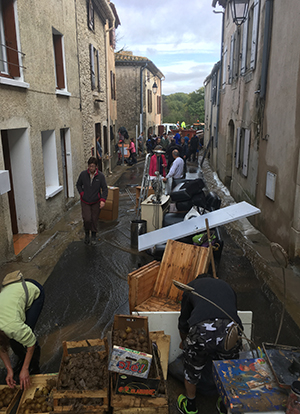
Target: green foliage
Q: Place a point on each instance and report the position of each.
(188, 107)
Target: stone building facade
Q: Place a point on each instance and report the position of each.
(139, 108)
(49, 110)
(256, 145)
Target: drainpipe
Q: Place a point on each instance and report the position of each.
(220, 82)
(106, 37)
(141, 98)
(266, 47)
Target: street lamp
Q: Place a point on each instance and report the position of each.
(154, 88)
(239, 11)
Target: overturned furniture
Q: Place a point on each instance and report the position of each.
(151, 287)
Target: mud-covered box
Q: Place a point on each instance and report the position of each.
(134, 382)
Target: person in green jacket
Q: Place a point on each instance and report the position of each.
(21, 302)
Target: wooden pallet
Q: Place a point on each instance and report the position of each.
(17, 394)
(69, 347)
(151, 287)
(36, 382)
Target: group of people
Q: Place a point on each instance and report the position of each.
(206, 319)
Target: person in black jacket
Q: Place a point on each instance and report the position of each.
(203, 329)
(93, 191)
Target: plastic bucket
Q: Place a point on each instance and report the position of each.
(138, 227)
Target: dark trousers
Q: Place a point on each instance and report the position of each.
(32, 316)
(90, 216)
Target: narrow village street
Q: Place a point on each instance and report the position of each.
(86, 285)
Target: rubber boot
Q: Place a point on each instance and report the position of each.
(87, 237)
(93, 242)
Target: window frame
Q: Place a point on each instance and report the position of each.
(12, 71)
(95, 68)
(91, 15)
(59, 63)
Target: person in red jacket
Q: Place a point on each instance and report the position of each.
(93, 191)
(162, 163)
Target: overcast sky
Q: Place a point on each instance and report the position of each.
(181, 37)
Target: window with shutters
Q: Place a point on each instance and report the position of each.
(250, 38)
(10, 54)
(242, 150)
(59, 62)
(91, 15)
(149, 101)
(95, 68)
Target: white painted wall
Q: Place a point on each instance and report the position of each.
(20, 156)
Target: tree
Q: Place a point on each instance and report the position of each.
(184, 107)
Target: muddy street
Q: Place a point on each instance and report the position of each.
(88, 285)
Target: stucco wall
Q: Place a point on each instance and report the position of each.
(92, 112)
(39, 108)
(279, 154)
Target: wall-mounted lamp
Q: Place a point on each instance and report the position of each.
(154, 88)
(239, 11)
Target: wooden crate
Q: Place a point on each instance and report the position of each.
(151, 287)
(36, 382)
(58, 395)
(17, 394)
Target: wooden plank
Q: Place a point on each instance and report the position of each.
(180, 262)
(141, 285)
(197, 225)
(163, 344)
(145, 267)
(142, 410)
(154, 304)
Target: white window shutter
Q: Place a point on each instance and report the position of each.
(246, 152)
(231, 59)
(254, 34)
(238, 145)
(244, 47)
(224, 75)
(92, 66)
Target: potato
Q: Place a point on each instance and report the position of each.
(128, 330)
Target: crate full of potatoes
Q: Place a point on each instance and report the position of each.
(82, 384)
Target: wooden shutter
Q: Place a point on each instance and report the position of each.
(115, 89)
(244, 46)
(224, 75)
(246, 152)
(254, 34)
(59, 64)
(98, 70)
(238, 144)
(231, 59)
(92, 63)
(9, 24)
(159, 104)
